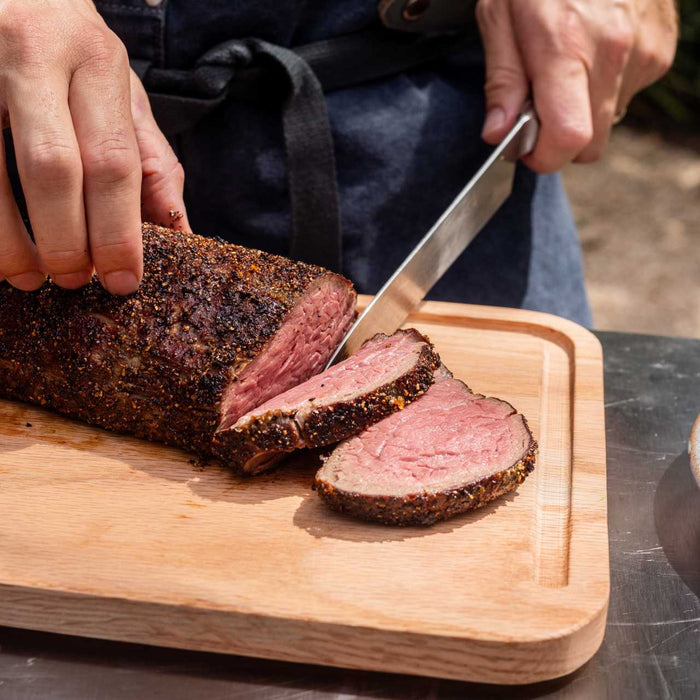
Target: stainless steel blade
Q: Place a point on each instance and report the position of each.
(445, 241)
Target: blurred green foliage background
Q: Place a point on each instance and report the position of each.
(674, 102)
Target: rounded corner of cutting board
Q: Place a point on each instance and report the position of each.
(586, 639)
(548, 658)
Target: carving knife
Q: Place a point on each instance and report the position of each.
(446, 241)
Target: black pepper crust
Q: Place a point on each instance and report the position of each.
(278, 432)
(155, 363)
(427, 508)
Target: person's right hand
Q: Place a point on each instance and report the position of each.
(581, 60)
(90, 156)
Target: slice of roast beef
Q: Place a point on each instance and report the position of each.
(384, 375)
(447, 452)
(213, 331)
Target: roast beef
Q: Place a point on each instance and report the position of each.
(213, 331)
(447, 452)
(379, 379)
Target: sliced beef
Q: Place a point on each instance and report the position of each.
(384, 375)
(447, 452)
(214, 330)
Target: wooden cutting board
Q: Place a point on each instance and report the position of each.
(111, 537)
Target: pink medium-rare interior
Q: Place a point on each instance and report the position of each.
(446, 438)
(378, 362)
(300, 349)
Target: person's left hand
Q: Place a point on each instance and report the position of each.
(581, 60)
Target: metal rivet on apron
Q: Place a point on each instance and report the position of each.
(154, 3)
(413, 9)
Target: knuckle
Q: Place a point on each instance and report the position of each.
(121, 247)
(103, 50)
(115, 254)
(63, 260)
(648, 68)
(178, 174)
(19, 24)
(110, 161)
(653, 59)
(14, 260)
(502, 78)
(590, 154)
(140, 104)
(24, 39)
(164, 169)
(617, 44)
(487, 12)
(644, 60)
(554, 25)
(54, 162)
(572, 136)
(664, 60)
(557, 32)
(175, 174)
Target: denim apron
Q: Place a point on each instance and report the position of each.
(404, 146)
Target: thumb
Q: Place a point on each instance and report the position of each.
(163, 177)
(506, 85)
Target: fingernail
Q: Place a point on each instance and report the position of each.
(495, 119)
(121, 282)
(28, 281)
(72, 280)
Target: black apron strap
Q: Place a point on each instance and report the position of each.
(313, 188)
(252, 69)
(343, 61)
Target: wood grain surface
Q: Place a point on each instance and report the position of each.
(107, 536)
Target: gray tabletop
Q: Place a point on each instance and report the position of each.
(652, 642)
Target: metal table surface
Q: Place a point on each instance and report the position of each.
(652, 643)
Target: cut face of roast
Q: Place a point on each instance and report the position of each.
(214, 330)
(379, 379)
(300, 348)
(447, 452)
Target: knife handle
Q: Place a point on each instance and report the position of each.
(525, 131)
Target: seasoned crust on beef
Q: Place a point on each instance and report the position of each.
(449, 451)
(265, 438)
(427, 508)
(156, 363)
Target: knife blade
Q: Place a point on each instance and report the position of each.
(445, 241)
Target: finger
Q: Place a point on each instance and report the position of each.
(48, 162)
(612, 53)
(635, 80)
(562, 102)
(604, 100)
(19, 261)
(506, 85)
(653, 52)
(100, 104)
(163, 177)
